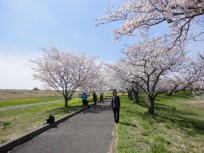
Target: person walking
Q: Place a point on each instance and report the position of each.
(94, 98)
(116, 106)
(101, 98)
(84, 99)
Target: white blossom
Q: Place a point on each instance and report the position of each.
(138, 16)
(64, 71)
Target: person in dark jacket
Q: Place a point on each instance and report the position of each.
(101, 98)
(116, 106)
(94, 98)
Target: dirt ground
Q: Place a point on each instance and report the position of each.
(197, 103)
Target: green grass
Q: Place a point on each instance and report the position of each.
(14, 123)
(8, 103)
(28, 97)
(175, 128)
(11, 94)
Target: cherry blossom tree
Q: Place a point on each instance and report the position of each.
(190, 73)
(140, 16)
(149, 63)
(200, 64)
(97, 84)
(64, 71)
(154, 69)
(122, 74)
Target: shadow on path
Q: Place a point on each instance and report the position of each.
(99, 108)
(88, 132)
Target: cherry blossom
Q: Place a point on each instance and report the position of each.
(64, 71)
(147, 64)
(139, 16)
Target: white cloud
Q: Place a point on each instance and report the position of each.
(16, 72)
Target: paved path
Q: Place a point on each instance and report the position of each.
(88, 132)
(28, 105)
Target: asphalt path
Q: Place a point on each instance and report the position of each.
(28, 105)
(88, 132)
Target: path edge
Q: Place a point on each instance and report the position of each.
(7, 146)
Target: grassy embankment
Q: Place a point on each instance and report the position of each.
(16, 102)
(178, 126)
(16, 122)
(11, 94)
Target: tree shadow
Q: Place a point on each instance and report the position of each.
(170, 116)
(185, 122)
(128, 124)
(181, 118)
(98, 109)
(172, 110)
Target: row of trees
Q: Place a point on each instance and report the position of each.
(150, 67)
(157, 64)
(154, 65)
(67, 71)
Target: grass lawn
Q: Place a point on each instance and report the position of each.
(21, 97)
(15, 102)
(11, 94)
(14, 123)
(177, 126)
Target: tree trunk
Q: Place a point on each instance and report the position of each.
(137, 98)
(130, 94)
(184, 90)
(66, 101)
(151, 105)
(169, 93)
(136, 94)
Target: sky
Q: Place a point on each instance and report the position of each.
(27, 26)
